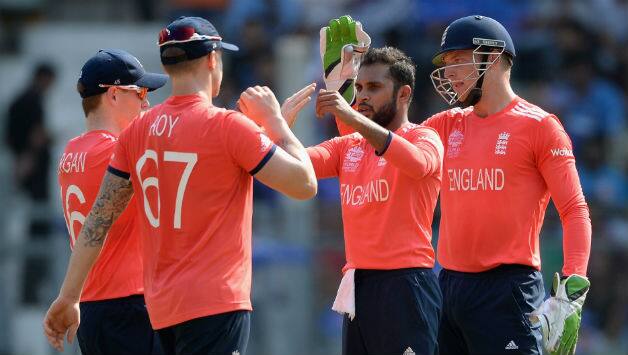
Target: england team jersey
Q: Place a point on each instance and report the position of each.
(191, 166)
(498, 174)
(387, 201)
(118, 270)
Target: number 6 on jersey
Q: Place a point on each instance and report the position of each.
(189, 159)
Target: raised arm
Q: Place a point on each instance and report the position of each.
(416, 159)
(289, 170)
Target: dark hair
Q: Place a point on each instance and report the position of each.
(44, 69)
(401, 68)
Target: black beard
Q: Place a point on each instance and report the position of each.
(386, 114)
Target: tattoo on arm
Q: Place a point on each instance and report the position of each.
(113, 197)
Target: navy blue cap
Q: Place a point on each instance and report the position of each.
(116, 67)
(195, 36)
(472, 31)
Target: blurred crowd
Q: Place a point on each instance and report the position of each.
(571, 60)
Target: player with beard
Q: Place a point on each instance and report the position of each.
(390, 173)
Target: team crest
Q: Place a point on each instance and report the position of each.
(502, 143)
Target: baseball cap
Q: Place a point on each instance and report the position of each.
(195, 36)
(116, 67)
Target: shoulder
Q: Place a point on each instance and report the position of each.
(419, 133)
(537, 117)
(451, 114)
(528, 111)
(443, 121)
(413, 128)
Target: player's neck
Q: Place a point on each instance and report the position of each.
(98, 121)
(191, 86)
(399, 121)
(494, 99)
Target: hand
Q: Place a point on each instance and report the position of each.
(259, 104)
(342, 45)
(560, 315)
(295, 103)
(62, 318)
(333, 103)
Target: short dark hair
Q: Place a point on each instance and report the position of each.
(44, 69)
(401, 68)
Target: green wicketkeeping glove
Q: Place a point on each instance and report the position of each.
(343, 43)
(560, 315)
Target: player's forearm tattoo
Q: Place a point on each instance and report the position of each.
(113, 197)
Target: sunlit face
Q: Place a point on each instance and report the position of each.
(129, 104)
(460, 69)
(375, 94)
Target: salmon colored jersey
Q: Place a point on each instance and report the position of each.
(118, 270)
(387, 201)
(498, 174)
(191, 166)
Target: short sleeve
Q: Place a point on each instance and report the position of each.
(119, 162)
(245, 142)
(325, 158)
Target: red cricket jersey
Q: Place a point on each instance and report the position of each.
(118, 270)
(499, 172)
(191, 166)
(387, 201)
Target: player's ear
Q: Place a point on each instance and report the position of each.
(404, 94)
(212, 60)
(111, 95)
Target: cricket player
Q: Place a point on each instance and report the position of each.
(390, 175)
(113, 86)
(191, 164)
(504, 158)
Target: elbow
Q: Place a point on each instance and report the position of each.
(306, 186)
(307, 190)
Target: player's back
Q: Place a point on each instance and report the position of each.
(190, 163)
(118, 270)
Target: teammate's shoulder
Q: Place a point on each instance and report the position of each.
(456, 112)
(451, 114)
(351, 137)
(528, 111)
(91, 138)
(415, 129)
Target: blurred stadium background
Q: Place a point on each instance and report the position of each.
(571, 60)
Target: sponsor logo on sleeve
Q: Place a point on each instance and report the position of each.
(561, 152)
